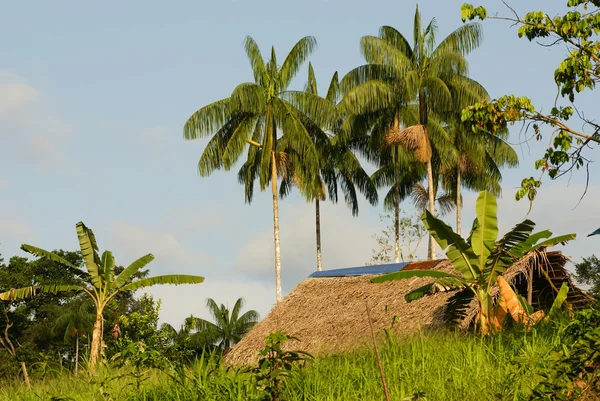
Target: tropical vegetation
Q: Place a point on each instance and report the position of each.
(99, 282)
(411, 123)
(480, 259)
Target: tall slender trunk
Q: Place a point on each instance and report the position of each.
(423, 120)
(76, 354)
(396, 196)
(96, 338)
(431, 253)
(25, 375)
(318, 224)
(276, 226)
(458, 200)
(396, 212)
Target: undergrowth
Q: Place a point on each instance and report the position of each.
(432, 366)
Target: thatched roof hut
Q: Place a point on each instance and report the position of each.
(327, 311)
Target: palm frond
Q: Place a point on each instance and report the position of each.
(256, 60)
(35, 251)
(175, 279)
(88, 247)
(17, 294)
(226, 146)
(462, 40)
(207, 120)
(247, 98)
(369, 97)
(334, 90)
(133, 268)
(296, 57)
(379, 51)
(393, 36)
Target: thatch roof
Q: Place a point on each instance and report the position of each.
(328, 314)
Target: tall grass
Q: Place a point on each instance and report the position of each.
(432, 366)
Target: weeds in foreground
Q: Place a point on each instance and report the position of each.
(515, 365)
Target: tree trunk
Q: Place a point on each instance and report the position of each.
(431, 193)
(396, 196)
(76, 354)
(318, 224)
(397, 233)
(276, 226)
(458, 200)
(530, 285)
(96, 339)
(25, 375)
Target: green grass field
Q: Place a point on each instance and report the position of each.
(442, 366)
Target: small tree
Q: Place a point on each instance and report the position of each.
(101, 284)
(576, 32)
(410, 235)
(74, 322)
(228, 328)
(479, 259)
(588, 272)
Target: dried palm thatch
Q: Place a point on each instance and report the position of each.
(328, 314)
(413, 138)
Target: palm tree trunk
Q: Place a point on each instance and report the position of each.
(423, 120)
(96, 338)
(276, 226)
(318, 224)
(396, 197)
(76, 354)
(458, 200)
(431, 193)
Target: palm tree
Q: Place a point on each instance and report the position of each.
(75, 322)
(338, 167)
(228, 327)
(400, 173)
(479, 158)
(427, 76)
(101, 284)
(257, 113)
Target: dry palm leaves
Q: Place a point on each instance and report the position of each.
(414, 139)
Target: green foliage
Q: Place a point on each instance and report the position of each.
(433, 366)
(99, 283)
(138, 325)
(469, 12)
(579, 71)
(228, 328)
(574, 372)
(588, 272)
(480, 258)
(411, 233)
(138, 360)
(275, 365)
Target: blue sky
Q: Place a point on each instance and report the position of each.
(93, 97)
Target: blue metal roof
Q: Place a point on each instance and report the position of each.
(360, 271)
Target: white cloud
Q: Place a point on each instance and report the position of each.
(179, 302)
(15, 93)
(30, 128)
(346, 242)
(132, 241)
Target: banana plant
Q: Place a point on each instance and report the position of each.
(513, 304)
(479, 259)
(99, 281)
